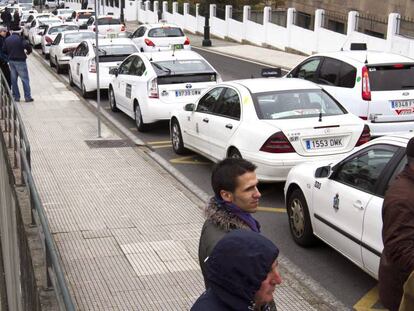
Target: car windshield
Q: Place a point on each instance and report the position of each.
(295, 105)
(109, 21)
(78, 37)
(181, 66)
(43, 17)
(117, 49)
(394, 77)
(61, 28)
(165, 32)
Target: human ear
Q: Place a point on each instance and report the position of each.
(226, 195)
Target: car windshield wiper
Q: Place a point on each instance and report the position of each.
(407, 86)
(160, 67)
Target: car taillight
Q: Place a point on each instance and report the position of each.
(365, 136)
(149, 42)
(48, 39)
(92, 65)
(94, 28)
(123, 27)
(153, 88)
(277, 143)
(187, 41)
(366, 89)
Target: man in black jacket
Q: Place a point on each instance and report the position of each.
(3, 57)
(6, 18)
(16, 49)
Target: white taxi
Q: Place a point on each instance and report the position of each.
(50, 34)
(149, 86)
(80, 17)
(108, 25)
(38, 28)
(160, 37)
(63, 45)
(274, 123)
(82, 66)
(340, 202)
(64, 14)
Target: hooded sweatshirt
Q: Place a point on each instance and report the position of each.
(235, 270)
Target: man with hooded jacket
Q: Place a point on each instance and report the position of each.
(397, 258)
(242, 272)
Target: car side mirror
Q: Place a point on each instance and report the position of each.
(189, 107)
(113, 71)
(323, 171)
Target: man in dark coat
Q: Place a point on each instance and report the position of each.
(4, 66)
(242, 272)
(397, 259)
(6, 18)
(234, 183)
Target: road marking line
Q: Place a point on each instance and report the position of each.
(161, 146)
(188, 160)
(159, 142)
(368, 301)
(272, 209)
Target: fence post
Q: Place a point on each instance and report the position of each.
(290, 21)
(228, 14)
(352, 22)
(197, 10)
(319, 22)
(164, 9)
(246, 17)
(139, 4)
(267, 14)
(393, 29)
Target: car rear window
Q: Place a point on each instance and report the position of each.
(61, 28)
(296, 104)
(84, 15)
(391, 77)
(78, 37)
(174, 67)
(109, 21)
(65, 11)
(119, 49)
(165, 32)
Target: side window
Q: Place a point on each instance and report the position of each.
(78, 50)
(209, 100)
(57, 39)
(90, 21)
(84, 50)
(142, 31)
(229, 105)
(363, 170)
(347, 76)
(33, 24)
(139, 66)
(308, 70)
(329, 72)
(125, 66)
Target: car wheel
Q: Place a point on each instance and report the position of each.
(177, 138)
(299, 219)
(51, 63)
(234, 153)
(58, 67)
(70, 78)
(138, 119)
(46, 56)
(112, 102)
(85, 94)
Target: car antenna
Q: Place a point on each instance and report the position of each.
(173, 50)
(320, 115)
(366, 58)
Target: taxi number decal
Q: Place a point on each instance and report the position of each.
(128, 91)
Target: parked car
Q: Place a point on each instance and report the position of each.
(376, 86)
(274, 123)
(149, 86)
(108, 25)
(50, 34)
(64, 14)
(50, 4)
(160, 37)
(82, 66)
(80, 17)
(65, 43)
(38, 26)
(340, 202)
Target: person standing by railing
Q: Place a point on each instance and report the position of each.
(16, 49)
(4, 66)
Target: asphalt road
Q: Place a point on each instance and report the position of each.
(333, 271)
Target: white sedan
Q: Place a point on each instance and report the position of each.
(63, 45)
(50, 35)
(36, 32)
(274, 123)
(340, 202)
(82, 66)
(108, 25)
(149, 86)
(160, 37)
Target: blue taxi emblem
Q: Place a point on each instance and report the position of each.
(188, 86)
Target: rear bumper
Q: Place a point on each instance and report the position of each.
(156, 110)
(90, 82)
(389, 128)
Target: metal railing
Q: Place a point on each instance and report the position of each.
(17, 140)
(256, 16)
(278, 17)
(221, 13)
(405, 27)
(303, 20)
(192, 9)
(334, 21)
(371, 25)
(237, 15)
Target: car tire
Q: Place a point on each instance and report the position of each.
(177, 138)
(47, 56)
(70, 78)
(112, 101)
(234, 153)
(138, 119)
(59, 69)
(85, 94)
(51, 63)
(299, 220)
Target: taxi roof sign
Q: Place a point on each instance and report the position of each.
(271, 72)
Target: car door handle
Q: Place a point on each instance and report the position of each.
(358, 205)
(205, 120)
(229, 126)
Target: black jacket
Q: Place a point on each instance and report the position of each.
(235, 270)
(15, 46)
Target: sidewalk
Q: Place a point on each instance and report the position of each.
(126, 231)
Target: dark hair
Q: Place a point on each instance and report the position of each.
(410, 160)
(225, 173)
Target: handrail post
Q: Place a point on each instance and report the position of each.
(15, 146)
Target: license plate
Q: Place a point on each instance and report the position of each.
(324, 143)
(111, 35)
(179, 93)
(403, 106)
(176, 46)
